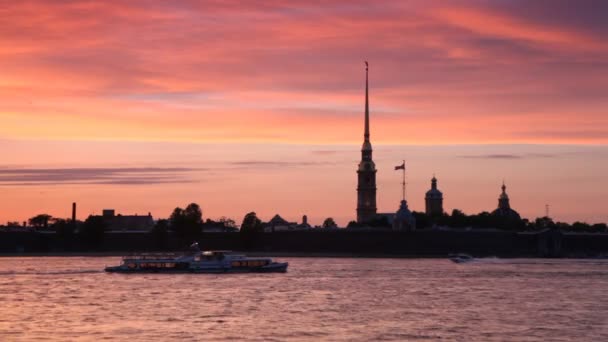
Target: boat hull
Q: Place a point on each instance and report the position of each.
(277, 267)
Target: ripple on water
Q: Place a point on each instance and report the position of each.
(318, 299)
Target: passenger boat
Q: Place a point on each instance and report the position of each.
(196, 262)
(461, 258)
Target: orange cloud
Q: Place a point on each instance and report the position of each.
(292, 72)
(500, 25)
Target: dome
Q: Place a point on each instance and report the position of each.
(504, 207)
(507, 213)
(434, 193)
(404, 220)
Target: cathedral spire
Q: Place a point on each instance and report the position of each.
(366, 172)
(366, 135)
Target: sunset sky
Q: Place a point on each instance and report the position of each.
(239, 106)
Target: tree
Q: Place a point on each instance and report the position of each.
(544, 222)
(62, 227)
(329, 223)
(160, 234)
(600, 227)
(353, 224)
(177, 219)
(187, 223)
(581, 226)
(458, 218)
(40, 221)
(227, 222)
(93, 230)
(251, 223)
(194, 214)
(250, 228)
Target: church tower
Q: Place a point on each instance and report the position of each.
(504, 207)
(366, 186)
(503, 199)
(434, 200)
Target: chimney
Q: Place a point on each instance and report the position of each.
(304, 219)
(74, 212)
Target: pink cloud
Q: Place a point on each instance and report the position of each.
(197, 70)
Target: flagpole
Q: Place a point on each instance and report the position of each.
(403, 180)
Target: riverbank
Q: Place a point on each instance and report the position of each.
(349, 244)
(285, 255)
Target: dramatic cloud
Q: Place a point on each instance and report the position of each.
(494, 156)
(291, 71)
(325, 152)
(107, 176)
(266, 164)
(510, 156)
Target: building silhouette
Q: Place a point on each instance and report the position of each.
(277, 224)
(434, 200)
(404, 219)
(504, 208)
(120, 222)
(366, 173)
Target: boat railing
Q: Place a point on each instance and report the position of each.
(152, 256)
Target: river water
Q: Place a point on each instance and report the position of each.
(319, 299)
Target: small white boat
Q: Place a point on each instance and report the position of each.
(196, 262)
(461, 258)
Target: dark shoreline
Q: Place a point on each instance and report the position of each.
(252, 254)
(331, 244)
(283, 255)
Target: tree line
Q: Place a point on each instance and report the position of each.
(188, 223)
(485, 220)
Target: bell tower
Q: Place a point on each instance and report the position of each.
(366, 185)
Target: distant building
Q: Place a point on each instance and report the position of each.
(434, 200)
(127, 222)
(504, 208)
(304, 224)
(277, 224)
(403, 219)
(366, 172)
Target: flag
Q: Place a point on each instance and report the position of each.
(400, 167)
